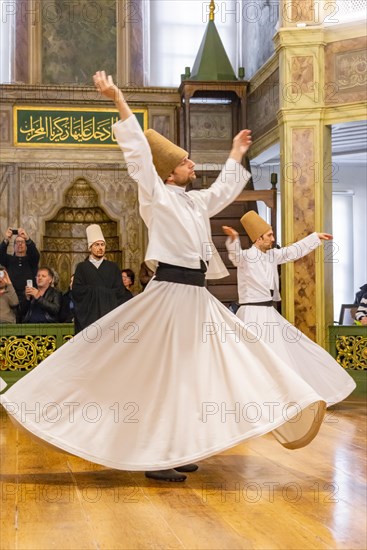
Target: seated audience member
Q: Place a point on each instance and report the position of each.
(361, 313)
(145, 274)
(8, 298)
(67, 305)
(358, 297)
(128, 279)
(43, 303)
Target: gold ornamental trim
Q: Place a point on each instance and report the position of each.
(351, 352)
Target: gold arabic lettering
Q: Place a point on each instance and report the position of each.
(74, 128)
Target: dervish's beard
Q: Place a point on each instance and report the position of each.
(185, 183)
(191, 178)
(265, 247)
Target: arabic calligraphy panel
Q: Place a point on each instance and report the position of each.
(57, 127)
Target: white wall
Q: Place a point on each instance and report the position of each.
(353, 178)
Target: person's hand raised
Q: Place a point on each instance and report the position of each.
(242, 141)
(240, 145)
(23, 234)
(106, 86)
(230, 232)
(8, 234)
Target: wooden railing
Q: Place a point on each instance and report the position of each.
(22, 347)
(348, 346)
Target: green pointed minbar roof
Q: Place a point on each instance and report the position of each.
(212, 61)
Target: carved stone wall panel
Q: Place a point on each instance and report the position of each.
(119, 196)
(42, 191)
(351, 70)
(121, 199)
(302, 73)
(163, 120)
(4, 199)
(345, 71)
(43, 195)
(304, 224)
(9, 198)
(211, 133)
(161, 124)
(263, 104)
(211, 125)
(132, 250)
(5, 126)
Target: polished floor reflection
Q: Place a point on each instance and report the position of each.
(254, 496)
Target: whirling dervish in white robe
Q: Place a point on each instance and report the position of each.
(258, 294)
(169, 377)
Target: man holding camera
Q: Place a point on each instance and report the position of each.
(23, 264)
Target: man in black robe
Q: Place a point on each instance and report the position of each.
(97, 286)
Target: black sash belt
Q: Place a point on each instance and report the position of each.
(266, 304)
(183, 275)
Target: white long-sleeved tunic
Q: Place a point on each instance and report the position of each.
(178, 222)
(257, 272)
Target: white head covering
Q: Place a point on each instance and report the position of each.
(94, 233)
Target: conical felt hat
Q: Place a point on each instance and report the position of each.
(254, 225)
(166, 155)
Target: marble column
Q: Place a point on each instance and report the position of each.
(130, 43)
(24, 14)
(305, 143)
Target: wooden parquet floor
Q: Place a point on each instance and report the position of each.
(257, 495)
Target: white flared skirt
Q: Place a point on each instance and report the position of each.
(310, 361)
(168, 378)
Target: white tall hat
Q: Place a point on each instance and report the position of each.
(94, 233)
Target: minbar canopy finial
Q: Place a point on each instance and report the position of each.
(211, 10)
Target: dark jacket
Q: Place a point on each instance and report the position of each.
(20, 268)
(47, 305)
(67, 311)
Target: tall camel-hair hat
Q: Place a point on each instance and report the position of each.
(166, 155)
(94, 234)
(254, 225)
